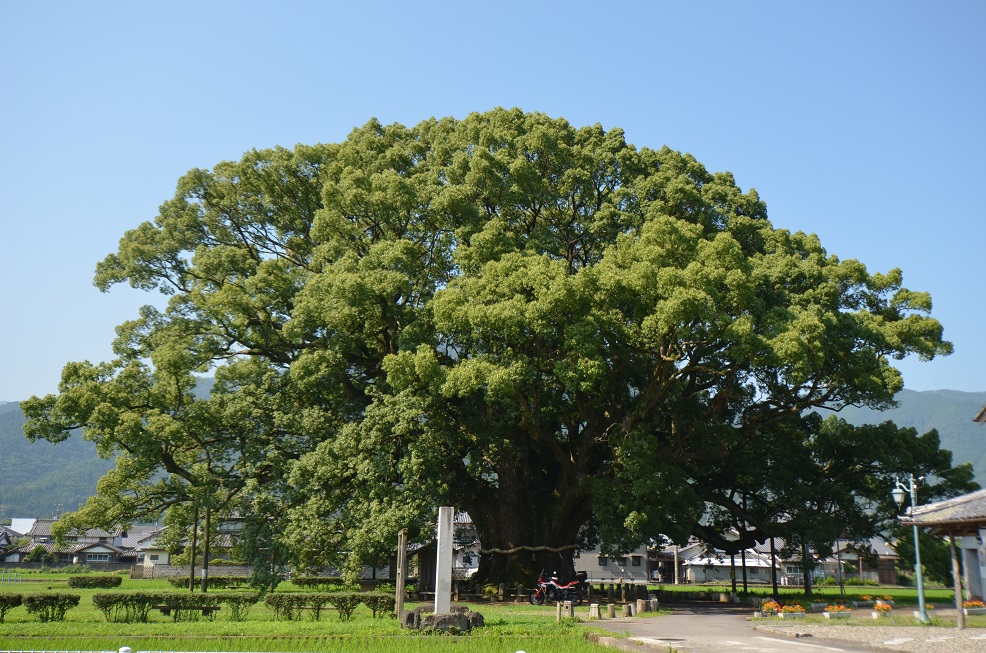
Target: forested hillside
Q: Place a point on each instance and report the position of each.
(37, 479)
(949, 411)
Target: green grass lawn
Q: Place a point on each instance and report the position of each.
(509, 627)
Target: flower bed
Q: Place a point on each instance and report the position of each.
(792, 611)
(882, 610)
(838, 611)
(864, 601)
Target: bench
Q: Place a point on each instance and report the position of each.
(206, 610)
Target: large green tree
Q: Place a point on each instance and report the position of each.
(542, 325)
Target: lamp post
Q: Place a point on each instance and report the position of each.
(898, 495)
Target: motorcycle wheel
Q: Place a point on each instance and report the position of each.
(535, 599)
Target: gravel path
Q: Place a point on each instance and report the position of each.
(912, 639)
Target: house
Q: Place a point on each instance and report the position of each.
(721, 568)
(40, 533)
(630, 567)
(873, 560)
(148, 550)
(8, 541)
(963, 520)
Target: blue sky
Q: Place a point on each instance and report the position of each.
(859, 121)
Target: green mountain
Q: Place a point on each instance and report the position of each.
(949, 411)
(39, 479)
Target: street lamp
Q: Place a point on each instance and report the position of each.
(898, 495)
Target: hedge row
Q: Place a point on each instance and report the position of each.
(291, 606)
(50, 606)
(95, 582)
(134, 607)
(322, 583)
(212, 582)
(7, 603)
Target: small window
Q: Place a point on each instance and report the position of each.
(603, 561)
(97, 557)
(154, 556)
(635, 561)
(621, 561)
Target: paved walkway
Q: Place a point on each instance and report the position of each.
(703, 627)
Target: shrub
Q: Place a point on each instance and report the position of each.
(286, 606)
(321, 583)
(183, 604)
(127, 607)
(380, 603)
(213, 582)
(345, 603)
(93, 582)
(291, 606)
(75, 569)
(239, 603)
(7, 603)
(50, 606)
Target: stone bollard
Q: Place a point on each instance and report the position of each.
(641, 605)
(594, 611)
(501, 591)
(623, 593)
(627, 610)
(610, 593)
(520, 593)
(611, 610)
(655, 605)
(568, 609)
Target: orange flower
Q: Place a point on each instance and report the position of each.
(838, 608)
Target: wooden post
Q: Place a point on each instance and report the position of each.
(957, 578)
(401, 569)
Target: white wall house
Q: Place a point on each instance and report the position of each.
(629, 567)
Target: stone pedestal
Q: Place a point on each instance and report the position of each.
(594, 611)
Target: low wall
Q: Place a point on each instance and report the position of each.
(169, 571)
(105, 567)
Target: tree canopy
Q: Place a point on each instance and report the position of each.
(568, 337)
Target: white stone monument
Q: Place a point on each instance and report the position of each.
(443, 566)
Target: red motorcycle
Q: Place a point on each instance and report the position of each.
(552, 590)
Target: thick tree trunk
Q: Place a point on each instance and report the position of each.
(522, 535)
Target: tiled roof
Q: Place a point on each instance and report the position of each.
(967, 512)
(42, 528)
